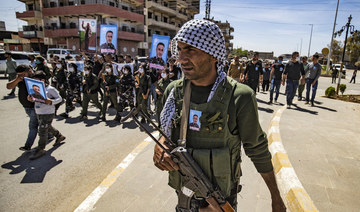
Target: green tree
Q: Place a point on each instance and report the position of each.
(336, 51)
(240, 52)
(353, 47)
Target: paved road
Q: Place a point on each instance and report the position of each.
(62, 179)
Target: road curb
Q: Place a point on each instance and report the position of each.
(291, 189)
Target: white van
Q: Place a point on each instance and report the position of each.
(19, 57)
(61, 53)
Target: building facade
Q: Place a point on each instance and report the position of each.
(226, 29)
(55, 23)
(165, 17)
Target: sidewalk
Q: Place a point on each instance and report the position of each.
(323, 146)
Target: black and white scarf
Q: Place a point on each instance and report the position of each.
(206, 36)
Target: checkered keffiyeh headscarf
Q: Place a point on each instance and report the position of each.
(206, 36)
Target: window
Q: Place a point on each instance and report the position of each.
(149, 32)
(53, 4)
(166, 33)
(125, 8)
(132, 29)
(156, 17)
(165, 19)
(157, 32)
(149, 15)
(30, 7)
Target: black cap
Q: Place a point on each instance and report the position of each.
(22, 68)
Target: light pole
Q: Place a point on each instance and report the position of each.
(338, 33)
(312, 25)
(332, 39)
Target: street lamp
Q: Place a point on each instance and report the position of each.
(338, 33)
(312, 25)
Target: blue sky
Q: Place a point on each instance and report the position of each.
(261, 25)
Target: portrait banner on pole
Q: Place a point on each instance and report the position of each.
(108, 38)
(159, 51)
(87, 29)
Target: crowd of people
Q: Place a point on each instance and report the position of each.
(122, 82)
(297, 74)
(103, 81)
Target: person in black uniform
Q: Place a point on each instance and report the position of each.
(277, 70)
(127, 84)
(90, 87)
(293, 71)
(72, 88)
(253, 72)
(109, 85)
(59, 81)
(40, 66)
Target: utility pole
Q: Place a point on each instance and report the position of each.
(207, 9)
(300, 46)
(332, 40)
(347, 26)
(312, 25)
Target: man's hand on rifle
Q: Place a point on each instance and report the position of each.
(162, 160)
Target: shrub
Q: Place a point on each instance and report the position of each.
(342, 88)
(330, 91)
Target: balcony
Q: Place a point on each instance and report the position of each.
(67, 32)
(160, 24)
(96, 9)
(158, 7)
(31, 34)
(133, 36)
(28, 15)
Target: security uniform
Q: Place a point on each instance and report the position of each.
(276, 79)
(224, 126)
(90, 93)
(253, 72)
(110, 81)
(144, 85)
(127, 84)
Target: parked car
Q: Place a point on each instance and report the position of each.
(337, 66)
(61, 53)
(19, 57)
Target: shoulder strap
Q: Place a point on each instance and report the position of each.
(185, 114)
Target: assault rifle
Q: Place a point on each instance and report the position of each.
(195, 178)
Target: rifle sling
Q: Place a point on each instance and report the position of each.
(185, 115)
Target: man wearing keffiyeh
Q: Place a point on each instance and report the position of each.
(227, 117)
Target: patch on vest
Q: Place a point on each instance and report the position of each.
(194, 118)
(187, 192)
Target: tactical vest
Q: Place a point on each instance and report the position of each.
(90, 81)
(213, 147)
(110, 80)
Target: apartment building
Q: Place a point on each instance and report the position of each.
(54, 23)
(165, 17)
(226, 29)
